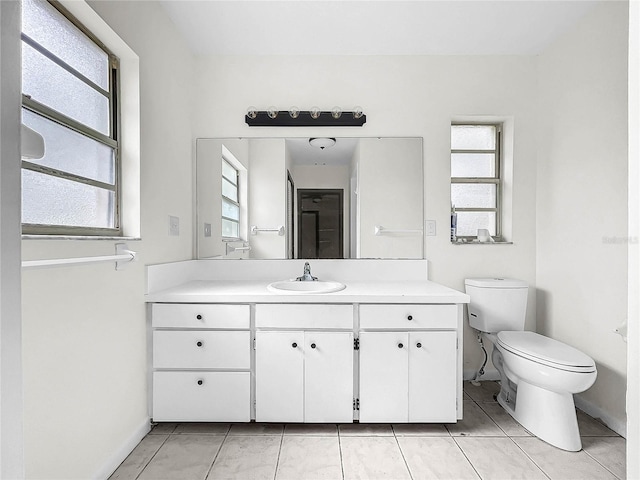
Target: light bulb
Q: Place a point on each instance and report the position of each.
(314, 112)
(272, 112)
(357, 112)
(252, 112)
(294, 112)
(336, 112)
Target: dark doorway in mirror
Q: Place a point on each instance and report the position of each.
(320, 223)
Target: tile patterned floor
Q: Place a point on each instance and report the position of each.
(487, 444)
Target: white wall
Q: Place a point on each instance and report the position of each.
(411, 96)
(581, 210)
(633, 359)
(267, 196)
(390, 194)
(84, 349)
(11, 411)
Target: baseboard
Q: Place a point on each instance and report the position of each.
(123, 452)
(617, 425)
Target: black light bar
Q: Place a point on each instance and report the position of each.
(305, 119)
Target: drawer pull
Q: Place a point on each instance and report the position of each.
(199, 317)
(419, 345)
(200, 382)
(313, 345)
(199, 344)
(410, 317)
(294, 345)
(400, 345)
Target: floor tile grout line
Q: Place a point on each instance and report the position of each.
(531, 458)
(340, 450)
(215, 457)
(275, 473)
(466, 457)
(406, 464)
(602, 464)
(154, 455)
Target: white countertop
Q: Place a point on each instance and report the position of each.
(208, 291)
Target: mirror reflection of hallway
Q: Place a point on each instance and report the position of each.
(320, 227)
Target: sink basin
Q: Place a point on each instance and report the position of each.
(293, 286)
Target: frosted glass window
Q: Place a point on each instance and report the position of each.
(473, 137)
(475, 178)
(48, 83)
(473, 195)
(470, 222)
(71, 152)
(67, 80)
(479, 165)
(230, 229)
(52, 30)
(230, 210)
(49, 200)
(229, 190)
(230, 201)
(229, 172)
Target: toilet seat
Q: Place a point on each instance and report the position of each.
(546, 351)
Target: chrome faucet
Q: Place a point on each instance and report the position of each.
(306, 274)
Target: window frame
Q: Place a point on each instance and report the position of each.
(496, 180)
(238, 222)
(112, 140)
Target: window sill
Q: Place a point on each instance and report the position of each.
(78, 237)
(476, 242)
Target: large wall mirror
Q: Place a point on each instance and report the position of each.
(309, 198)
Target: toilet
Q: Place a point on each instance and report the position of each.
(538, 375)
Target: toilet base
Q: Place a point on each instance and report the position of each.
(550, 416)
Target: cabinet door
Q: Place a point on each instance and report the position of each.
(279, 376)
(328, 377)
(432, 376)
(384, 377)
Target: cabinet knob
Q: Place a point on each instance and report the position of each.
(419, 345)
(400, 345)
(313, 345)
(199, 344)
(294, 345)
(199, 317)
(200, 382)
(409, 317)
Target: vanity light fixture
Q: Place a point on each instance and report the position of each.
(322, 142)
(314, 117)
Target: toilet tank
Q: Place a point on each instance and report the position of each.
(496, 304)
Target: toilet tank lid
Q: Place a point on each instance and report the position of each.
(495, 283)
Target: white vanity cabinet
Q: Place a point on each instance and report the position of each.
(304, 363)
(201, 363)
(408, 363)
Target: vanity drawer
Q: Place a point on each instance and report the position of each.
(304, 315)
(201, 396)
(193, 315)
(408, 317)
(201, 349)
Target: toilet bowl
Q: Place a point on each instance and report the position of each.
(538, 375)
(546, 373)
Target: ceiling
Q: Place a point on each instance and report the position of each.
(339, 154)
(367, 27)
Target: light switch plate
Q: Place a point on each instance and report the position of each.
(430, 228)
(207, 229)
(174, 225)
